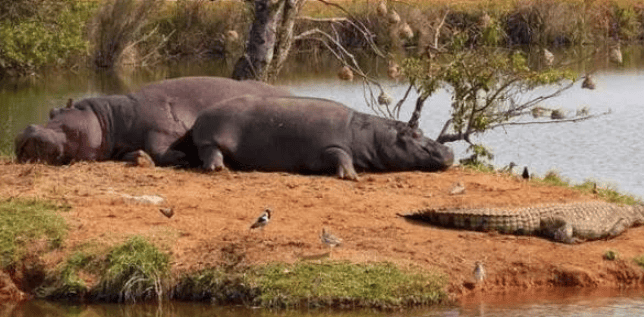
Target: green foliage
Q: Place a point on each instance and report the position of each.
(611, 255)
(24, 221)
(134, 270)
(381, 284)
(625, 24)
(480, 158)
(53, 37)
(639, 260)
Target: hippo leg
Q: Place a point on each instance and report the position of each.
(212, 158)
(343, 163)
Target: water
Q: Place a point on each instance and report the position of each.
(561, 302)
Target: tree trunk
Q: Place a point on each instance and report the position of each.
(269, 39)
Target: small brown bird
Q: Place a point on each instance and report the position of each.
(262, 220)
(588, 83)
(168, 212)
(329, 239)
(345, 73)
(457, 189)
(526, 174)
(479, 272)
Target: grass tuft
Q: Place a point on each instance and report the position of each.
(639, 260)
(611, 255)
(134, 270)
(25, 221)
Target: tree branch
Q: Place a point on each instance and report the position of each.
(551, 121)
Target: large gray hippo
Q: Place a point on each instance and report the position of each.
(307, 135)
(117, 127)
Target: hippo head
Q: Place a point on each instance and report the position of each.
(40, 144)
(404, 148)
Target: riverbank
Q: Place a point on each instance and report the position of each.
(212, 214)
(73, 34)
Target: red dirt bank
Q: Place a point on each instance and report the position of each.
(215, 210)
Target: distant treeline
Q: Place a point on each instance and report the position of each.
(105, 34)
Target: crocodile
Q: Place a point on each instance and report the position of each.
(566, 223)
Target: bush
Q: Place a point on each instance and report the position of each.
(53, 36)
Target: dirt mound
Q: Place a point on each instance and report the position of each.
(213, 212)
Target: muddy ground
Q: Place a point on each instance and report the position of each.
(212, 211)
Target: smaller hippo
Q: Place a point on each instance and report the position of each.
(306, 135)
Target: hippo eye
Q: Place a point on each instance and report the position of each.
(416, 134)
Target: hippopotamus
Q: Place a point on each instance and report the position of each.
(120, 127)
(306, 135)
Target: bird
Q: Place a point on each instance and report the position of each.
(393, 17)
(526, 174)
(168, 212)
(508, 169)
(384, 99)
(345, 73)
(393, 70)
(457, 189)
(588, 83)
(405, 31)
(262, 220)
(329, 239)
(615, 55)
(479, 272)
(548, 57)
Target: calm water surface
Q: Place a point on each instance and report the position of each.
(564, 302)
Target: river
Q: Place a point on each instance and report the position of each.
(562, 302)
(607, 149)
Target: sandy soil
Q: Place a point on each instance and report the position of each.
(212, 211)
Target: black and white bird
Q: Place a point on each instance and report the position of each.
(526, 174)
(329, 239)
(262, 220)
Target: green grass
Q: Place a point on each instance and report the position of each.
(611, 255)
(639, 260)
(25, 221)
(338, 283)
(552, 178)
(327, 284)
(134, 270)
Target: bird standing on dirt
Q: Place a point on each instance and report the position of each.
(479, 272)
(168, 212)
(526, 174)
(262, 220)
(329, 239)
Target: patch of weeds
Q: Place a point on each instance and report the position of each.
(552, 178)
(217, 286)
(479, 160)
(66, 282)
(611, 255)
(25, 221)
(380, 285)
(639, 260)
(134, 270)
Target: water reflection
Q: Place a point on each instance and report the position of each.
(557, 302)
